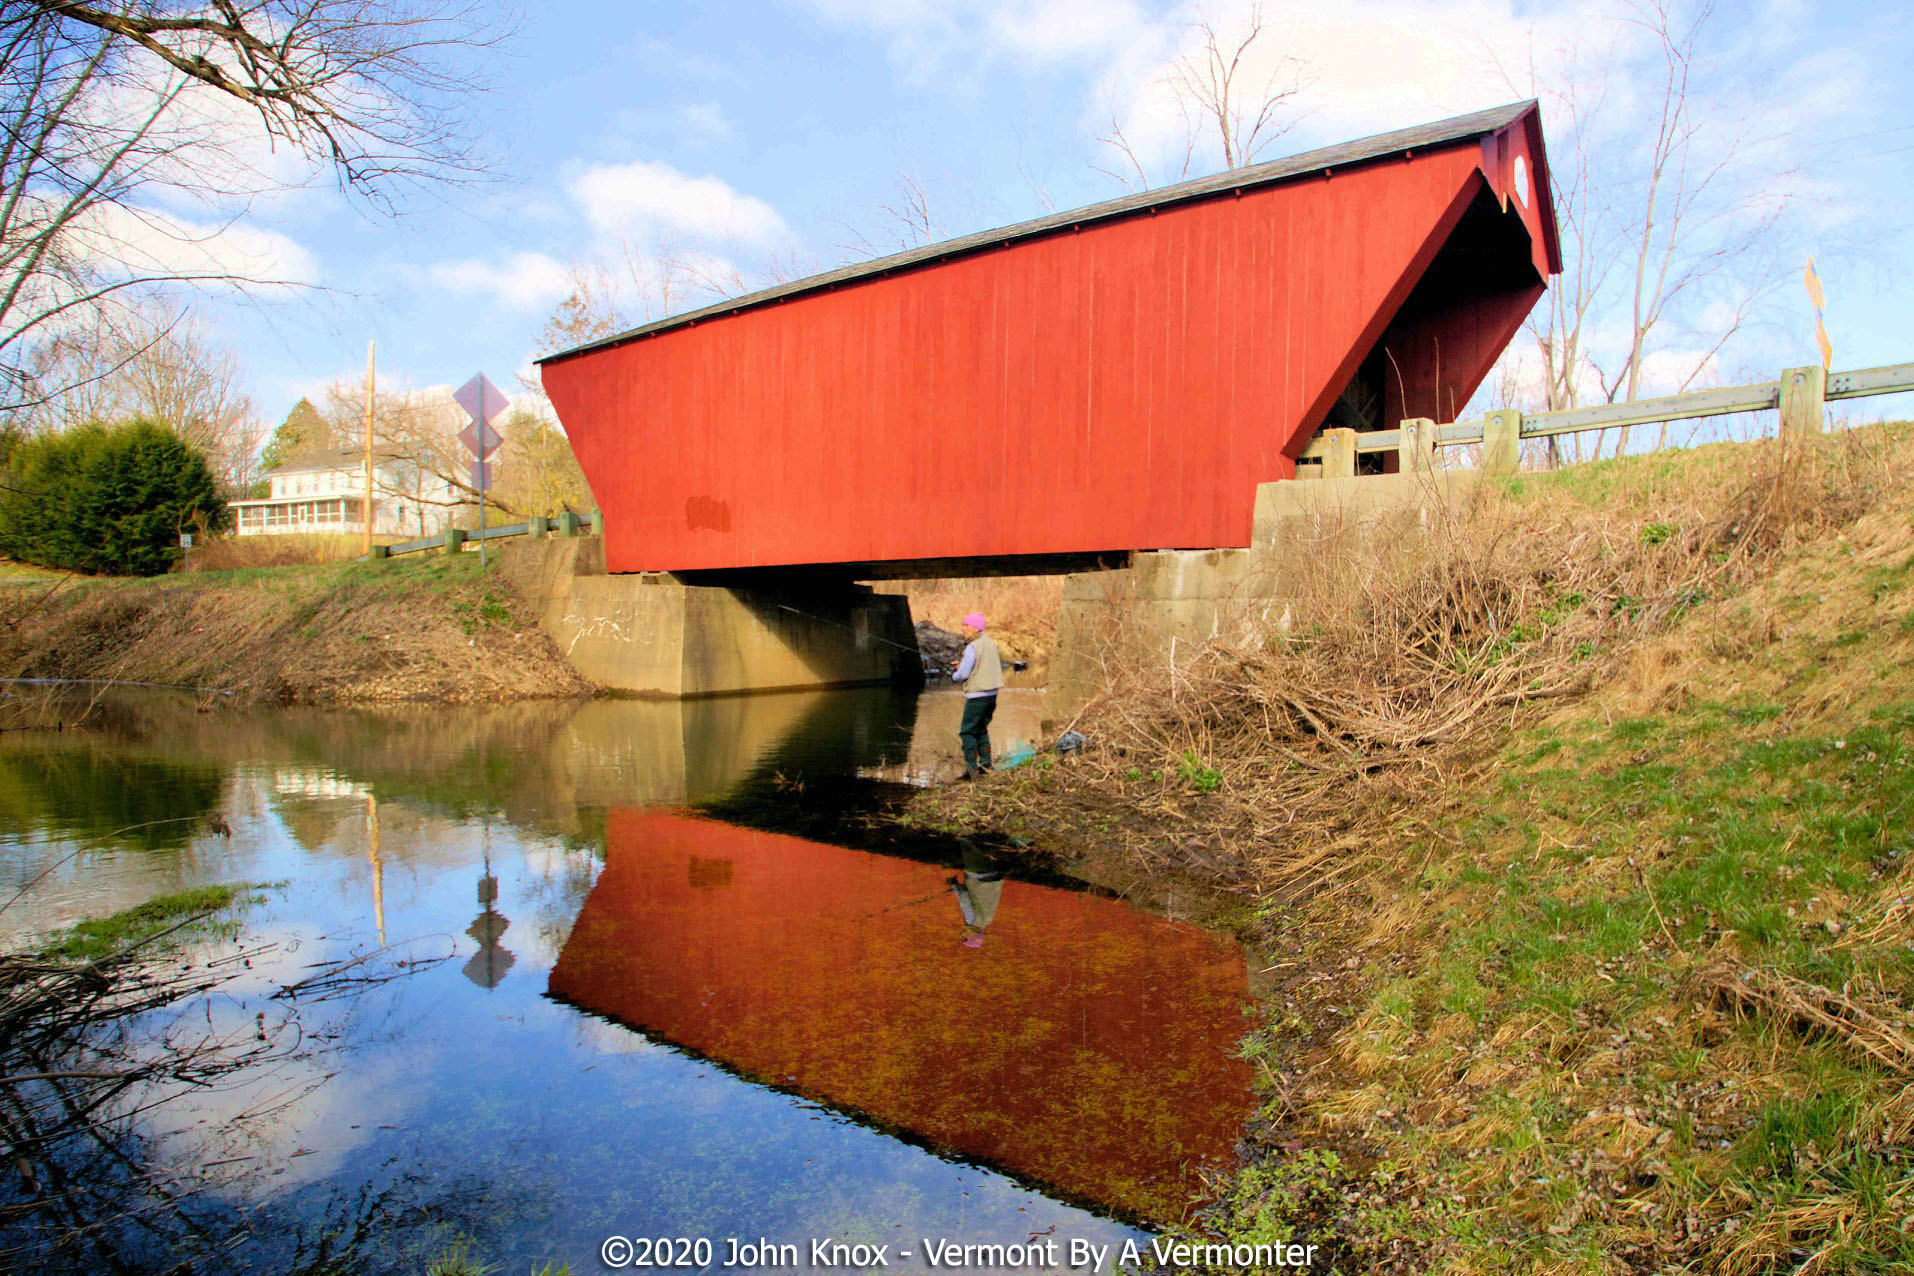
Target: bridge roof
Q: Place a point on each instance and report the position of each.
(1363, 150)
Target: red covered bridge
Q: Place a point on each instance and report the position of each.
(1113, 378)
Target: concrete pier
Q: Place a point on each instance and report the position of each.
(1156, 612)
(651, 634)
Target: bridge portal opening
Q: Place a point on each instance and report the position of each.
(1441, 343)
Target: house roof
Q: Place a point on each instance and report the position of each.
(1441, 132)
(324, 463)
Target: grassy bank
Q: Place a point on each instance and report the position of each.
(427, 627)
(1580, 829)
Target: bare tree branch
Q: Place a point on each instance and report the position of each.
(106, 105)
(1230, 93)
(1669, 232)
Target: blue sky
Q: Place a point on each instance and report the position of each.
(759, 140)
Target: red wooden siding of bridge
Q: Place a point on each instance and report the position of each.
(1121, 384)
(1087, 1045)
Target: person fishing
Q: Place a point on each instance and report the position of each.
(982, 673)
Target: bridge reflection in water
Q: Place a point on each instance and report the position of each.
(1059, 1036)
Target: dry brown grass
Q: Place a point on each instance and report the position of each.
(1863, 1021)
(1390, 671)
(430, 629)
(1022, 610)
(227, 553)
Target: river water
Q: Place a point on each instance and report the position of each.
(630, 968)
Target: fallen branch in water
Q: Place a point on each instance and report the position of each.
(89, 1047)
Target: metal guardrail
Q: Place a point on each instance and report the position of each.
(458, 538)
(1764, 396)
(1894, 379)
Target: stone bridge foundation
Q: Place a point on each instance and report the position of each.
(1123, 624)
(650, 634)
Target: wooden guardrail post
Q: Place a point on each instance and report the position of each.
(1417, 454)
(454, 540)
(1339, 453)
(536, 526)
(381, 551)
(1803, 400)
(568, 524)
(1502, 443)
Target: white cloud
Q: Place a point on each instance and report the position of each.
(526, 281)
(653, 199)
(678, 122)
(1042, 32)
(942, 39)
(206, 151)
(145, 241)
(1361, 69)
(704, 119)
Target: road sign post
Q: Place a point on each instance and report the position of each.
(482, 402)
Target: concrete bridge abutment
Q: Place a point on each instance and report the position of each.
(1132, 624)
(652, 634)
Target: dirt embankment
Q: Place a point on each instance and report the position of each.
(423, 629)
(1021, 610)
(1582, 829)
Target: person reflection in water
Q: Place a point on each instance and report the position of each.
(978, 891)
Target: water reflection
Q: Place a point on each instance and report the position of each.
(1088, 1047)
(788, 1036)
(489, 964)
(979, 891)
(85, 791)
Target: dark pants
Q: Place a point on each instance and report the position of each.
(974, 734)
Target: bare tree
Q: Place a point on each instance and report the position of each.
(182, 377)
(904, 221)
(587, 313)
(1558, 325)
(1680, 208)
(158, 361)
(1237, 106)
(537, 472)
(1671, 234)
(103, 106)
(1232, 95)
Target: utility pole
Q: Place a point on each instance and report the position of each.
(365, 500)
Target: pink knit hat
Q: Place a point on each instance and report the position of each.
(974, 620)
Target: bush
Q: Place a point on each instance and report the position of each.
(106, 500)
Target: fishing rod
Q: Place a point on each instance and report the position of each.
(1017, 665)
(916, 650)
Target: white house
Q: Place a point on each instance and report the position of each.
(329, 497)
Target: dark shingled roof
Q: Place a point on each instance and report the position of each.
(1441, 132)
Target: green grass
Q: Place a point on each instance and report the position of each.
(408, 572)
(12, 573)
(100, 937)
(1198, 774)
(457, 1259)
(1605, 863)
